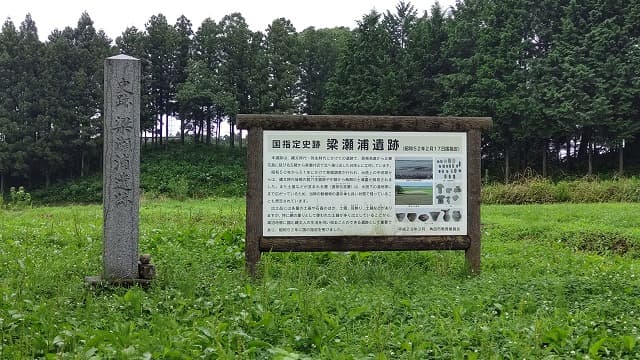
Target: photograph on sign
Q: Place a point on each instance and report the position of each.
(340, 183)
(414, 185)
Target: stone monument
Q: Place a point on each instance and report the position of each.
(121, 172)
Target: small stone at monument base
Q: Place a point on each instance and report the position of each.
(145, 258)
(146, 271)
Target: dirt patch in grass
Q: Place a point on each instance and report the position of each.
(601, 242)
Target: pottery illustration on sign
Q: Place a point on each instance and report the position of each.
(449, 168)
(434, 215)
(456, 215)
(423, 217)
(412, 216)
(446, 216)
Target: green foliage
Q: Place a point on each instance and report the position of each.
(19, 199)
(541, 294)
(50, 100)
(282, 54)
(366, 80)
(319, 51)
(426, 62)
(538, 190)
(80, 191)
(159, 42)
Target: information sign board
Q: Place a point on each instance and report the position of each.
(362, 183)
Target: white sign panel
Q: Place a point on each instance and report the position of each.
(339, 183)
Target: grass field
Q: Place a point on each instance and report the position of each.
(558, 281)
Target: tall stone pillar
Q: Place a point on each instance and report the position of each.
(121, 167)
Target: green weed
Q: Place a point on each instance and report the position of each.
(536, 190)
(19, 199)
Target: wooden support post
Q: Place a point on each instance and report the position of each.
(254, 200)
(472, 254)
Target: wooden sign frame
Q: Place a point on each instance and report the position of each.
(256, 242)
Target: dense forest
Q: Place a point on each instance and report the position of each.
(561, 80)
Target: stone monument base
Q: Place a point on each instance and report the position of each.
(146, 273)
(97, 281)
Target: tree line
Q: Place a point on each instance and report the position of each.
(561, 80)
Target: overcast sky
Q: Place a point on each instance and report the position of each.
(113, 16)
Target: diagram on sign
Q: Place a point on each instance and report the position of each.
(429, 190)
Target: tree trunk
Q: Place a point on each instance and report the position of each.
(208, 129)
(569, 162)
(83, 158)
(544, 160)
(182, 131)
(160, 128)
(240, 140)
(166, 129)
(585, 143)
(621, 161)
(507, 173)
(218, 125)
(589, 159)
(100, 160)
(1, 184)
(155, 134)
(232, 129)
(523, 156)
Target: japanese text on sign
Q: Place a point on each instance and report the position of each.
(364, 183)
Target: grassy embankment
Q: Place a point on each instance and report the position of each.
(558, 281)
(179, 172)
